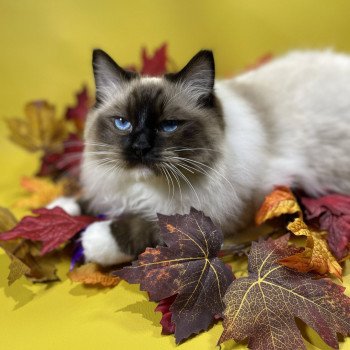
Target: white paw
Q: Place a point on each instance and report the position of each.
(100, 246)
(68, 204)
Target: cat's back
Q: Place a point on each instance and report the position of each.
(302, 101)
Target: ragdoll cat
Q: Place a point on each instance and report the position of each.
(163, 145)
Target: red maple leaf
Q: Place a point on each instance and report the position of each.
(168, 327)
(52, 227)
(66, 162)
(154, 65)
(79, 112)
(187, 266)
(331, 213)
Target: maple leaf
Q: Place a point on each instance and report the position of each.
(187, 266)
(66, 162)
(262, 307)
(92, 274)
(52, 227)
(316, 256)
(40, 130)
(7, 220)
(79, 112)
(163, 306)
(279, 202)
(332, 213)
(154, 65)
(43, 191)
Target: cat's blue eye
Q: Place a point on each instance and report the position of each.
(169, 125)
(122, 124)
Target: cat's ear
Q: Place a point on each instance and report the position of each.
(109, 76)
(198, 76)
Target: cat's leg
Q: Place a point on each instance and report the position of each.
(114, 242)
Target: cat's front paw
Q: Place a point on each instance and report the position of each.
(100, 246)
(68, 204)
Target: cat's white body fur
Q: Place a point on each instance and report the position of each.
(286, 123)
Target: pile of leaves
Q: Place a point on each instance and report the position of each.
(296, 274)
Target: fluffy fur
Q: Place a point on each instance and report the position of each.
(286, 123)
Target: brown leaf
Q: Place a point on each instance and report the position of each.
(279, 202)
(7, 220)
(187, 265)
(40, 130)
(316, 255)
(263, 306)
(17, 269)
(92, 274)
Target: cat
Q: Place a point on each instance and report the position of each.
(166, 144)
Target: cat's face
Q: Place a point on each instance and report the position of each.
(154, 126)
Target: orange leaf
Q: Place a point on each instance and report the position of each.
(316, 256)
(91, 274)
(42, 192)
(279, 202)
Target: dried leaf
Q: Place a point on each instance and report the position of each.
(17, 269)
(279, 202)
(7, 220)
(91, 274)
(262, 307)
(316, 256)
(79, 112)
(187, 266)
(331, 213)
(154, 65)
(66, 162)
(52, 227)
(40, 130)
(43, 191)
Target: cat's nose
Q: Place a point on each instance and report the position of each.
(141, 145)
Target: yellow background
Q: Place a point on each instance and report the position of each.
(46, 53)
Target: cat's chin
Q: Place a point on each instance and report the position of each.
(141, 172)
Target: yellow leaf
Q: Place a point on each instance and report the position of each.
(316, 256)
(42, 191)
(40, 130)
(91, 274)
(7, 220)
(279, 202)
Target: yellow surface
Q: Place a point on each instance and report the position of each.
(45, 53)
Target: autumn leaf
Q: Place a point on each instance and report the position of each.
(279, 202)
(52, 227)
(187, 266)
(331, 213)
(7, 220)
(263, 306)
(163, 306)
(316, 255)
(40, 130)
(78, 113)
(67, 162)
(91, 274)
(42, 192)
(155, 64)
(17, 269)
